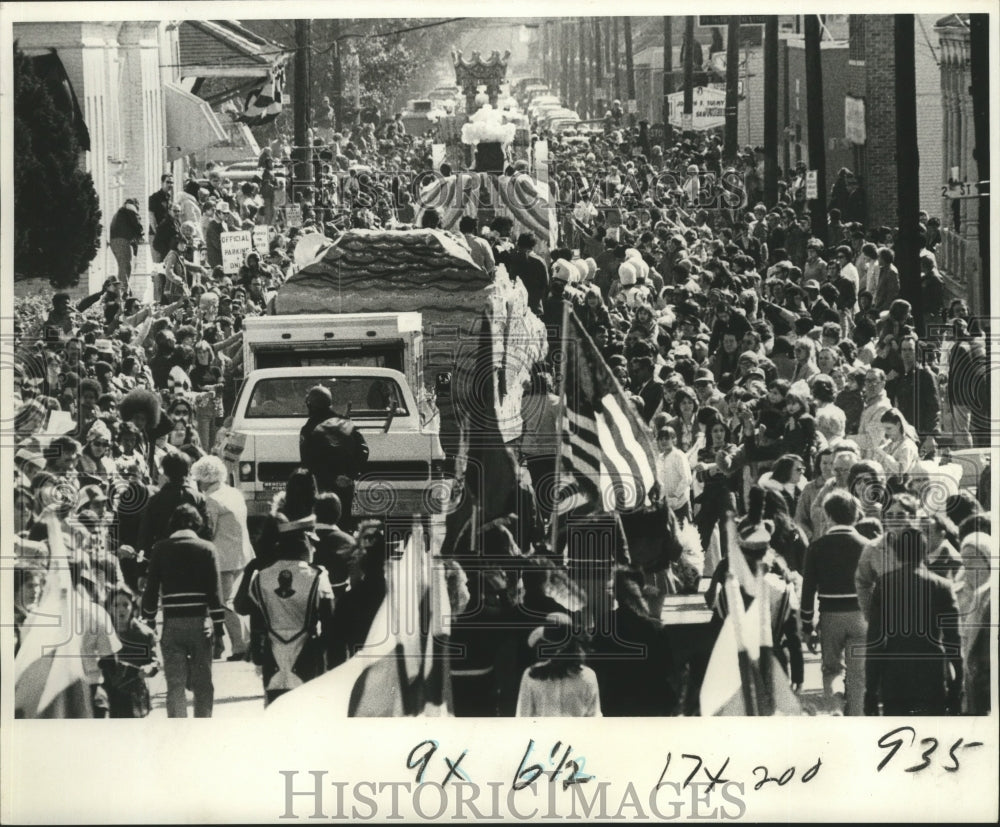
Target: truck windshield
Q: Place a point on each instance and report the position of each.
(365, 397)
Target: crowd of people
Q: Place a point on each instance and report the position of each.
(783, 377)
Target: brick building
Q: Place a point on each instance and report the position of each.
(870, 107)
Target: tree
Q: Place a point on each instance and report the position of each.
(57, 216)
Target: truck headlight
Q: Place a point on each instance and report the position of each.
(246, 472)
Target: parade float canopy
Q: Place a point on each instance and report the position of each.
(372, 271)
(523, 199)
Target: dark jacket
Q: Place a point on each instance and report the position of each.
(912, 639)
(162, 505)
(916, 395)
(831, 562)
(184, 569)
(533, 274)
(125, 224)
(331, 446)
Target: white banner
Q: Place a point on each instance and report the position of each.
(437, 156)
(708, 109)
(262, 238)
(812, 185)
(235, 247)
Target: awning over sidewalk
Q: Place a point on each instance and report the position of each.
(191, 123)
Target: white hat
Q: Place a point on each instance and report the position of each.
(563, 270)
(627, 273)
(591, 268)
(582, 269)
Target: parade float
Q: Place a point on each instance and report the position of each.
(431, 273)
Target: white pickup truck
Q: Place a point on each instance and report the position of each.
(403, 475)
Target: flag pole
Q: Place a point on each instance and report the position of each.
(560, 425)
(765, 665)
(748, 687)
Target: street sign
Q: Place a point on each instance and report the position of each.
(261, 238)
(812, 185)
(708, 21)
(631, 106)
(708, 109)
(235, 246)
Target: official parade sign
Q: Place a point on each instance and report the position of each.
(235, 247)
(708, 109)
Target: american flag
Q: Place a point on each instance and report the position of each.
(608, 457)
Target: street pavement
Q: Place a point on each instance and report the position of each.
(239, 693)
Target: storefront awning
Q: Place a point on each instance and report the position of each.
(191, 123)
(50, 70)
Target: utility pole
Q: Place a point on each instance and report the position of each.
(629, 69)
(979, 46)
(337, 93)
(668, 79)
(600, 97)
(616, 58)
(770, 110)
(730, 146)
(907, 166)
(584, 108)
(302, 153)
(814, 116)
(563, 62)
(545, 50)
(574, 92)
(688, 73)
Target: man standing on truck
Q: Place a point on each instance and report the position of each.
(333, 449)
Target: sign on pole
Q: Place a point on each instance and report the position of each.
(235, 246)
(708, 109)
(631, 106)
(812, 185)
(293, 215)
(262, 238)
(854, 120)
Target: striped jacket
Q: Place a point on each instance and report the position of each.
(184, 569)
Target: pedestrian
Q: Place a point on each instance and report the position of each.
(227, 516)
(913, 657)
(183, 580)
(125, 236)
(558, 685)
(830, 563)
(292, 601)
(333, 448)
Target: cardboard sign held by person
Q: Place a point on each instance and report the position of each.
(235, 246)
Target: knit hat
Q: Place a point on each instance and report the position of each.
(99, 430)
(564, 271)
(627, 273)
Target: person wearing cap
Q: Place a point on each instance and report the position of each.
(828, 574)
(816, 305)
(183, 578)
(753, 538)
(706, 390)
(125, 236)
(558, 685)
(291, 606)
(95, 463)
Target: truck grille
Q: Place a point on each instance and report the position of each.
(402, 470)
